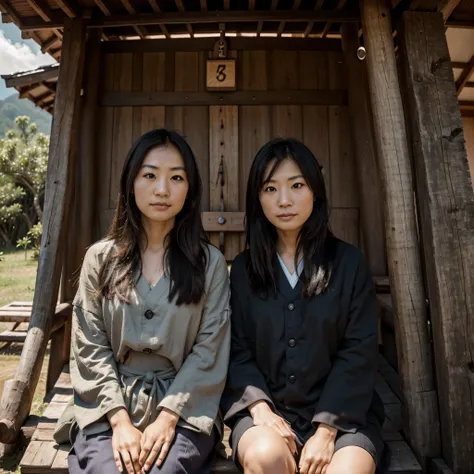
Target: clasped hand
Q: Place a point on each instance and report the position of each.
(318, 451)
(139, 450)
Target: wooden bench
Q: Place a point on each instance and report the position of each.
(16, 312)
(43, 455)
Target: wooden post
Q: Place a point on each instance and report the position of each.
(18, 393)
(446, 211)
(421, 420)
(81, 222)
(366, 158)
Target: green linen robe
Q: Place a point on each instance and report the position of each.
(149, 353)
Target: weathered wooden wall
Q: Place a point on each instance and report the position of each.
(231, 133)
(468, 125)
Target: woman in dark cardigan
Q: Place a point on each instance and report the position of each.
(300, 388)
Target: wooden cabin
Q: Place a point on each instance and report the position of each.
(368, 86)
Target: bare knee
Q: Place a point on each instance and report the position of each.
(266, 455)
(352, 460)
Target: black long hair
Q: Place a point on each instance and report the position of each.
(185, 255)
(316, 243)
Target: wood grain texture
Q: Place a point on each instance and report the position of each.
(446, 213)
(344, 189)
(421, 422)
(287, 121)
(316, 138)
(224, 149)
(18, 393)
(368, 181)
(186, 71)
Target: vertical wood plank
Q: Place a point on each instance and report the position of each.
(345, 224)
(254, 132)
(421, 423)
(337, 71)
(468, 126)
(104, 154)
(313, 70)
(186, 71)
(224, 148)
(446, 216)
(316, 138)
(287, 121)
(109, 72)
(137, 83)
(154, 72)
(344, 191)
(284, 70)
(123, 124)
(193, 123)
(151, 118)
(365, 155)
(254, 70)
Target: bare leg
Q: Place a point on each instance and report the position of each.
(351, 460)
(262, 450)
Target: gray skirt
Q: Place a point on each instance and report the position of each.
(369, 438)
(190, 453)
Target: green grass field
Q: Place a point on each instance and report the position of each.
(17, 283)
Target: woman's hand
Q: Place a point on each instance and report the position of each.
(263, 415)
(318, 451)
(157, 439)
(125, 441)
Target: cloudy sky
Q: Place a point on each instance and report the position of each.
(17, 55)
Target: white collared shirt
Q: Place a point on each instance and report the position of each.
(291, 277)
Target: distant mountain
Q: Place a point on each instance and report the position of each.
(13, 106)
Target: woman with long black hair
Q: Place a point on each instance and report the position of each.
(300, 388)
(151, 329)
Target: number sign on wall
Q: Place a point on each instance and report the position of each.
(221, 75)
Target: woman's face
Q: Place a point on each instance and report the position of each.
(161, 185)
(286, 199)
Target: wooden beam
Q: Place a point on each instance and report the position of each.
(18, 393)
(446, 7)
(365, 154)
(203, 5)
(458, 65)
(179, 4)
(281, 26)
(465, 75)
(28, 79)
(156, 9)
(69, 7)
(82, 224)
(103, 7)
(140, 30)
(47, 45)
(328, 25)
(464, 24)
(141, 99)
(446, 213)
(421, 424)
(42, 9)
(296, 16)
(11, 12)
(309, 28)
(238, 44)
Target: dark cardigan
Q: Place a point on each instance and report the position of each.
(314, 360)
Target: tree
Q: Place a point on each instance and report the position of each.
(24, 158)
(10, 209)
